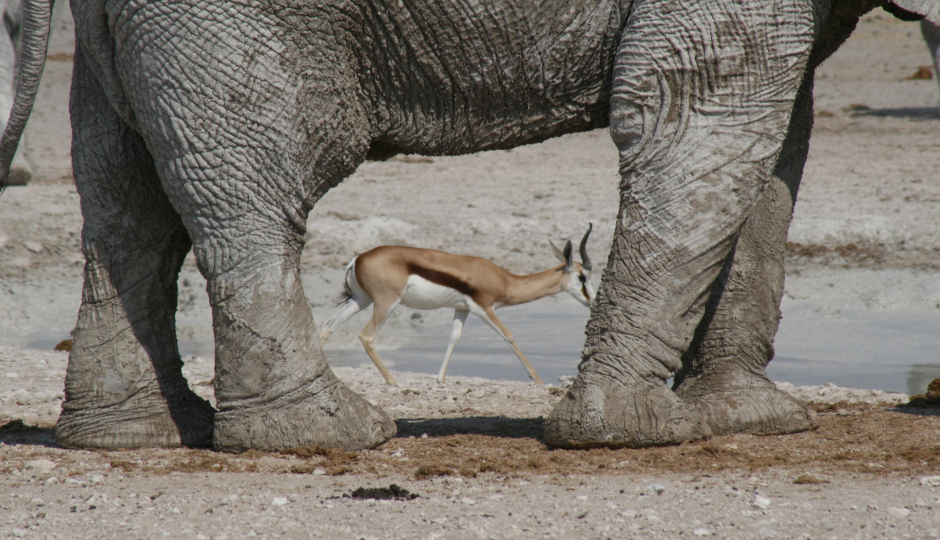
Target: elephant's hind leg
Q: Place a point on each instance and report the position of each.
(243, 166)
(723, 373)
(124, 386)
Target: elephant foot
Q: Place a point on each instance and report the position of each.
(597, 411)
(324, 412)
(752, 405)
(145, 420)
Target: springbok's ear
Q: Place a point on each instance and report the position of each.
(557, 252)
(569, 262)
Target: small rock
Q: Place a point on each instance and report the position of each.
(871, 507)
(761, 502)
(807, 478)
(97, 478)
(468, 501)
(44, 465)
(52, 480)
(424, 435)
(32, 246)
(766, 534)
(175, 510)
(278, 501)
(319, 471)
(702, 532)
(898, 513)
(656, 488)
(582, 497)
(930, 481)
(12, 375)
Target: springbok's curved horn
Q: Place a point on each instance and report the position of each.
(585, 260)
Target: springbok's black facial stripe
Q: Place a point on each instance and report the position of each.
(582, 278)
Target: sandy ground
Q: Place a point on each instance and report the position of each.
(865, 236)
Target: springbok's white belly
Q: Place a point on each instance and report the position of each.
(423, 294)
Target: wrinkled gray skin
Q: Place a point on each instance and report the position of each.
(11, 22)
(218, 125)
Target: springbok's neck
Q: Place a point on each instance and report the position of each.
(532, 287)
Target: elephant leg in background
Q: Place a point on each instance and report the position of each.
(11, 11)
(699, 135)
(723, 374)
(124, 386)
(931, 33)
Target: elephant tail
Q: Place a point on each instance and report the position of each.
(37, 15)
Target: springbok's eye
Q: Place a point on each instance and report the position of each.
(582, 278)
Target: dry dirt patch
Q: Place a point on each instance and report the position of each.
(853, 438)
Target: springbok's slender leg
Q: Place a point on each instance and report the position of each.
(380, 313)
(460, 315)
(489, 315)
(345, 312)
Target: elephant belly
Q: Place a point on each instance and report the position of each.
(423, 294)
(454, 77)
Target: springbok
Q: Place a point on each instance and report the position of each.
(424, 279)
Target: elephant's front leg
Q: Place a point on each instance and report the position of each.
(702, 97)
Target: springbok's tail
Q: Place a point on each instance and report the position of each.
(37, 15)
(347, 287)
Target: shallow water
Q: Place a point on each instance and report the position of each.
(550, 335)
(883, 348)
(897, 350)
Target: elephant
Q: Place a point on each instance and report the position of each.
(11, 12)
(216, 126)
(931, 33)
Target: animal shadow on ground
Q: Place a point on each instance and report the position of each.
(926, 404)
(933, 410)
(16, 432)
(496, 426)
(924, 113)
(920, 405)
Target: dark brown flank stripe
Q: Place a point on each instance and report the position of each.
(443, 279)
